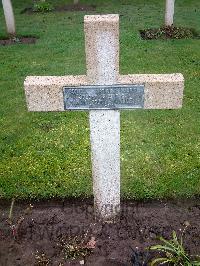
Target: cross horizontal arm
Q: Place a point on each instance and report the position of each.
(161, 91)
(45, 93)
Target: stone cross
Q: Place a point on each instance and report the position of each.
(47, 93)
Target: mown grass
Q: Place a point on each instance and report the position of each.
(48, 154)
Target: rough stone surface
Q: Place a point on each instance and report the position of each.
(162, 91)
(105, 149)
(169, 12)
(45, 93)
(102, 48)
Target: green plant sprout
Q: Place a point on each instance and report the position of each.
(15, 226)
(75, 247)
(173, 252)
(42, 6)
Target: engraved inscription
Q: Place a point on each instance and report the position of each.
(103, 97)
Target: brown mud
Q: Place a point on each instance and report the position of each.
(63, 8)
(35, 236)
(18, 40)
(170, 32)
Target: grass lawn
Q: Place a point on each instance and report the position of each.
(48, 154)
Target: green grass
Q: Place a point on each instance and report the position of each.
(48, 154)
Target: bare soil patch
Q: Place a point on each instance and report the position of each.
(78, 7)
(49, 229)
(169, 33)
(18, 40)
(72, 8)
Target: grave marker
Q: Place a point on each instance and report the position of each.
(104, 92)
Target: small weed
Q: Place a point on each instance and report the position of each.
(14, 226)
(42, 6)
(173, 252)
(41, 259)
(15, 39)
(77, 247)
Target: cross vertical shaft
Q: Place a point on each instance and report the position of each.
(102, 58)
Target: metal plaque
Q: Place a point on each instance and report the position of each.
(103, 97)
